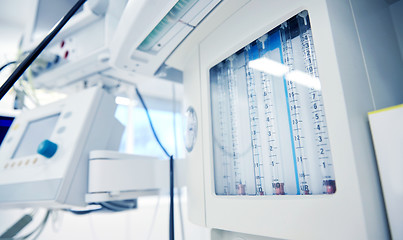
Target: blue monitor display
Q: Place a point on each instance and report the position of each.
(5, 123)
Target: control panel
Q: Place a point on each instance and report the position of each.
(44, 156)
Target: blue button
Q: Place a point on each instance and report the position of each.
(47, 148)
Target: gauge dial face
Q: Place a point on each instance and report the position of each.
(190, 133)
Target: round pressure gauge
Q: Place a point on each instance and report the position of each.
(190, 134)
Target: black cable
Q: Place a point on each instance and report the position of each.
(17, 227)
(7, 64)
(171, 197)
(38, 230)
(111, 206)
(151, 123)
(171, 171)
(118, 206)
(127, 204)
(84, 212)
(41, 227)
(35, 53)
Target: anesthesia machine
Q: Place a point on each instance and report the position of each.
(276, 97)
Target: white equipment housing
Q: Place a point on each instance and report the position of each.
(81, 48)
(78, 124)
(150, 30)
(96, 44)
(117, 176)
(353, 82)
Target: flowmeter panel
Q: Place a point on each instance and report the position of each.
(268, 120)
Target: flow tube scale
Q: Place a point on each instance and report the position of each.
(269, 124)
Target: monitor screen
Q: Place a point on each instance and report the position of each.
(269, 125)
(5, 123)
(35, 132)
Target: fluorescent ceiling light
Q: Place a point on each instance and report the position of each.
(303, 79)
(269, 66)
(125, 101)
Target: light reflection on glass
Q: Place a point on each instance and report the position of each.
(279, 70)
